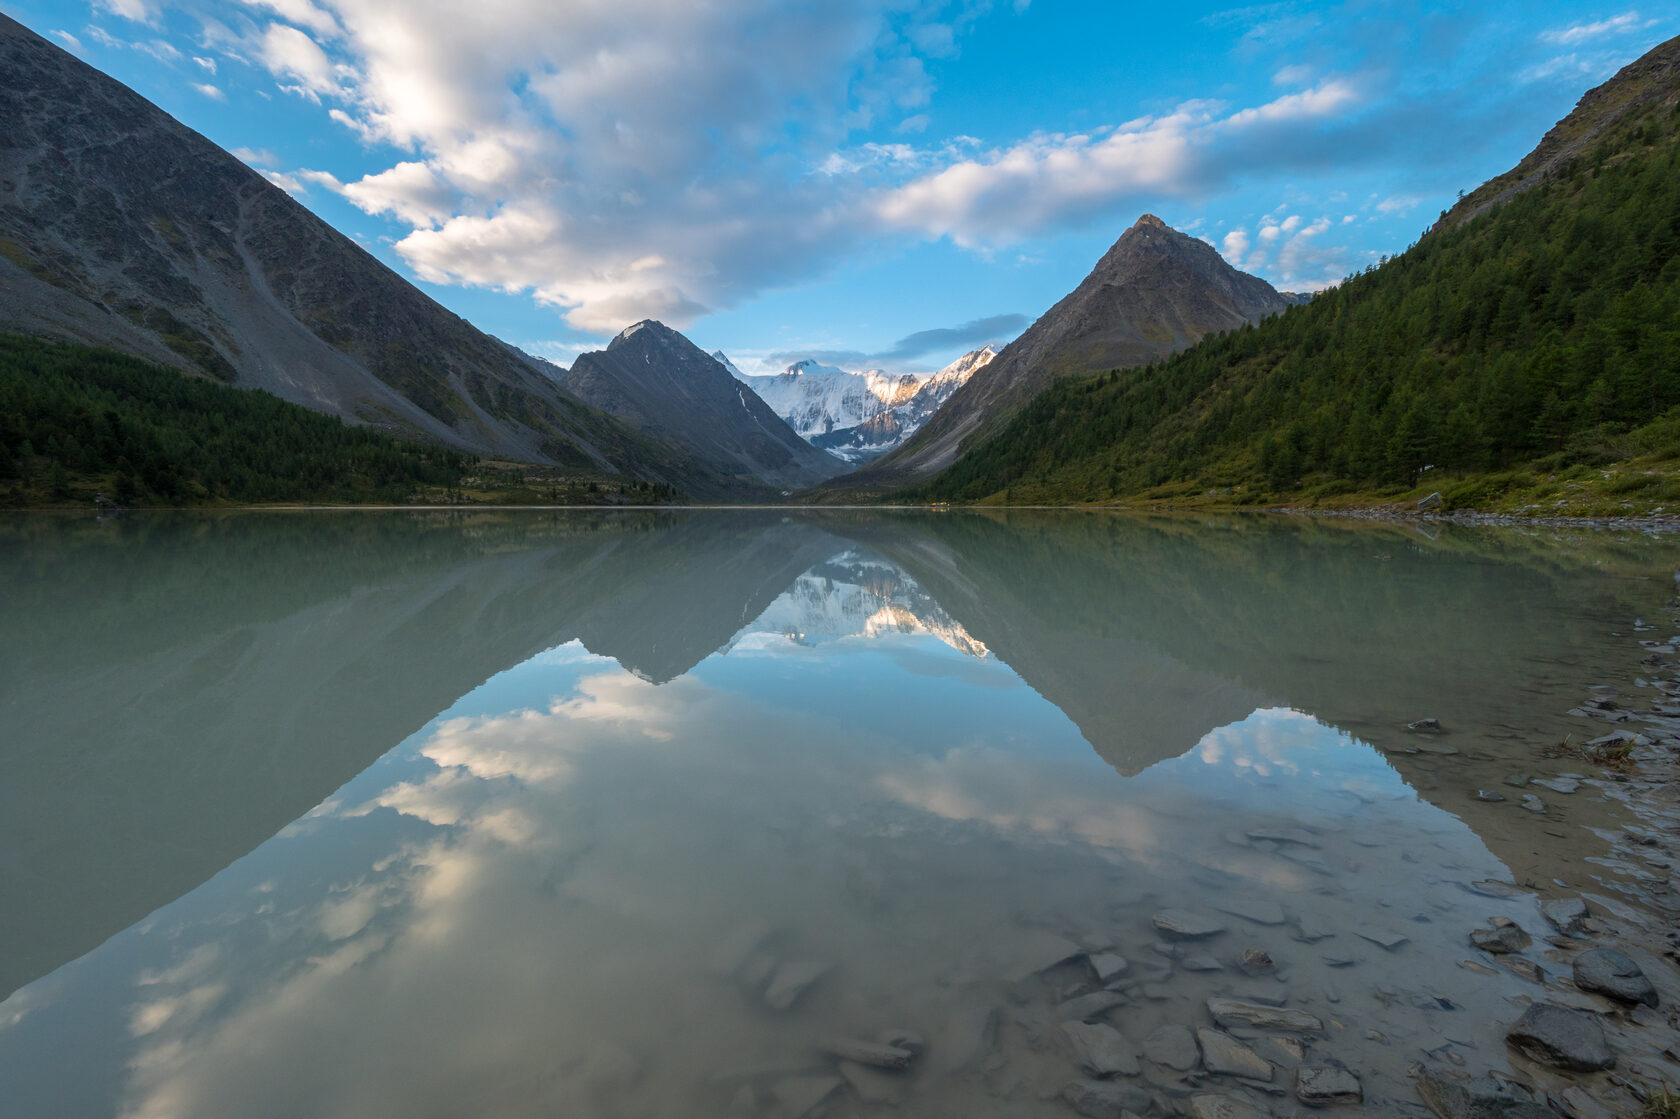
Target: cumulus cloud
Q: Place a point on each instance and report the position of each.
(210, 91)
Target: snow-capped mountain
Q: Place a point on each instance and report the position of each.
(857, 416)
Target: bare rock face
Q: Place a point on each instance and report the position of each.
(664, 386)
(123, 228)
(1155, 292)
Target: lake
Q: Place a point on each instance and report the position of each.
(657, 813)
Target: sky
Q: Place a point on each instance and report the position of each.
(871, 183)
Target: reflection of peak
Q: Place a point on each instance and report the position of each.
(856, 594)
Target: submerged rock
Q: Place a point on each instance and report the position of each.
(1211, 1106)
(1425, 726)
(1609, 972)
(1109, 966)
(1086, 1007)
(1478, 1097)
(1225, 1055)
(1564, 785)
(1566, 915)
(1101, 1050)
(1260, 912)
(968, 1039)
(1488, 795)
(798, 1096)
(1327, 1086)
(1105, 1099)
(1563, 1038)
(873, 1085)
(866, 1052)
(1187, 924)
(791, 980)
(1240, 1012)
(1534, 804)
(1501, 939)
(1172, 1046)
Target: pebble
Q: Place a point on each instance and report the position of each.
(1564, 785)
(1101, 1050)
(1534, 804)
(1563, 1038)
(1488, 795)
(1565, 915)
(1172, 1046)
(1239, 1012)
(1517, 780)
(1257, 959)
(1425, 726)
(1609, 972)
(1226, 1056)
(1327, 1085)
(1187, 924)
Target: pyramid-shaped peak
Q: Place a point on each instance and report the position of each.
(1150, 221)
(657, 328)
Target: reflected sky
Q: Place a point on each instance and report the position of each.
(524, 907)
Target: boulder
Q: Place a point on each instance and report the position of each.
(1609, 972)
(1563, 1038)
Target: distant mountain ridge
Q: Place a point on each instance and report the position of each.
(1155, 292)
(859, 416)
(121, 227)
(664, 386)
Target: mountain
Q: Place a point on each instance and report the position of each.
(1155, 292)
(666, 387)
(122, 228)
(858, 416)
(1526, 351)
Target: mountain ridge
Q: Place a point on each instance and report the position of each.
(121, 227)
(661, 384)
(1154, 292)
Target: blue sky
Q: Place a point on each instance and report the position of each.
(878, 183)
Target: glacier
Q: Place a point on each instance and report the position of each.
(857, 416)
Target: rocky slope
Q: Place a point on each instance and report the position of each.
(662, 385)
(860, 416)
(123, 228)
(1155, 292)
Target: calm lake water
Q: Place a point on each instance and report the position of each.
(575, 814)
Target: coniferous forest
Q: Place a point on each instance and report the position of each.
(1540, 338)
(78, 419)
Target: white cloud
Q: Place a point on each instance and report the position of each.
(1049, 178)
(207, 63)
(140, 11)
(302, 13)
(1585, 32)
(289, 53)
(210, 91)
(68, 40)
(1235, 245)
(255, 157)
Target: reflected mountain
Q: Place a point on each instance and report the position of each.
(178, 689)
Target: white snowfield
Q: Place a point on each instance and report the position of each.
(857, 416)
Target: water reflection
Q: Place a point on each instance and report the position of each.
(861, 743)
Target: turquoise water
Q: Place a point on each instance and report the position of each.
(524, 814)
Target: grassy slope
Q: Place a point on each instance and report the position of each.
(1527, 356)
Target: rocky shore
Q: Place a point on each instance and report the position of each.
(1242, 1007)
